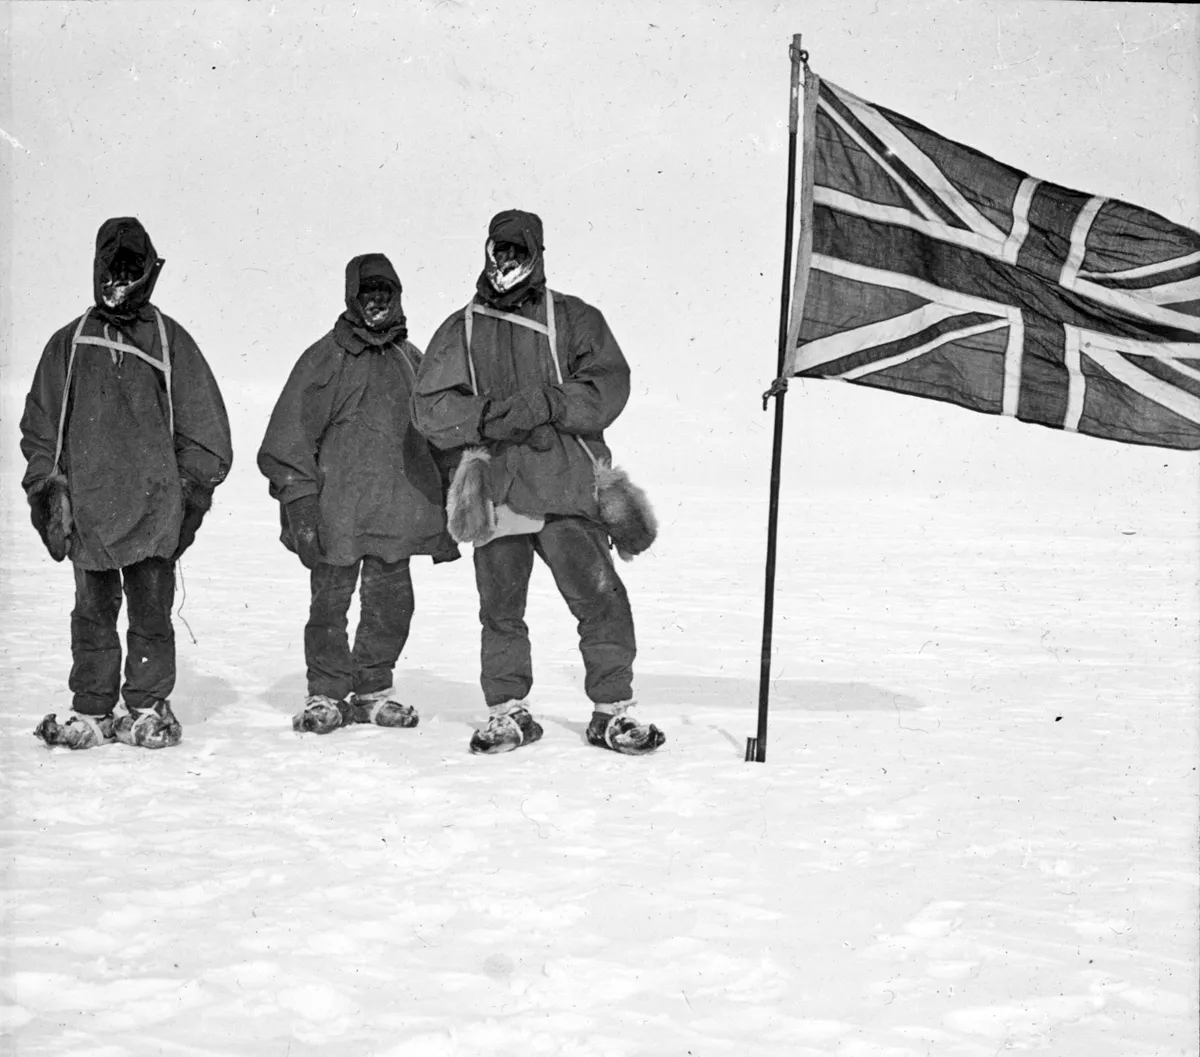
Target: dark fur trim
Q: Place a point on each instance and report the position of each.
(625, 511)
(470, 516)
(54, 499)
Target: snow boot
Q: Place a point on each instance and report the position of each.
(154, 727)
(380, 708)
(509, 726)
(322, 714)
(78, 732)
(613, 728)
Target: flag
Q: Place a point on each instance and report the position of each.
(928, 268)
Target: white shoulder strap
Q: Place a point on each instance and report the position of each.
(549, 328)
(165, 366)
(66, 394)
(552, 335)
(79, 338)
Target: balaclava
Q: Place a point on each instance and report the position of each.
(125, 269)
(371, 319)
(507, 283)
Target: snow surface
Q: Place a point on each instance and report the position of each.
(975, 832)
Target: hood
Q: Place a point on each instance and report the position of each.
(117, 235)
(521, 229)
(351, 329)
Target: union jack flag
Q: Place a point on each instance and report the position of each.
(929, 268)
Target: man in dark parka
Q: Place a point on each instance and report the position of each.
(529, 407)
(359, 490)
(126, 437)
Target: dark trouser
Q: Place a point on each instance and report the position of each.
(149, 646)
(386, 609)
(576, 550)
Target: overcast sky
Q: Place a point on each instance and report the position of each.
(263, 144)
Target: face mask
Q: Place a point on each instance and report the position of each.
(509, 265)
(124, 272)
(112, 294)
(376, 304)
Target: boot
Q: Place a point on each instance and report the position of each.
(322, 714)
(613, 728)
(509, 726)
(78, 732)
(380, 708)
(152, 727)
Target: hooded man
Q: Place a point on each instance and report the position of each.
(521, 384)
(359, 492)
(126, 437)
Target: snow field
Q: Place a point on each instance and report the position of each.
(974, 834)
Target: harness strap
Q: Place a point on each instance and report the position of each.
(552, 335)
(118, 346)
(512, 317)
(549, 328)
(66, 397)
(404, 355)
(468, 321)
(79, 338)
(166, 370)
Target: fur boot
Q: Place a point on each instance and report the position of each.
(509, 726)
(50, 511)
(626, 512)
(470, 516)
(322, 714)
(381, 708)
(613, 727)
(152, 727)
(78, 732)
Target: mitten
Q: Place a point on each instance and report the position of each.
(515, 417)
(304, 519)
(542, 438)
(446, 550)
(50, 512)
(197, 501)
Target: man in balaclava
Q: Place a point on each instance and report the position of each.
(360, 493)
(523, 396)
(126, 437)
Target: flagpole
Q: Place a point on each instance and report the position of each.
(756, 747)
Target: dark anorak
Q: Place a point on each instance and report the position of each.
(508, 357)
(121, 462)
(342, 430)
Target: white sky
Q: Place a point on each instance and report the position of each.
(263, 144)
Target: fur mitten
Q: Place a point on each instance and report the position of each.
(470, 515)
(626, 512)
(50, 512)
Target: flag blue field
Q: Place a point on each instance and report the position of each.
(931, 269)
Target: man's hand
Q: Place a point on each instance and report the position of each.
(304, 521)
(50, 512)
(519, 415)
(197, 500)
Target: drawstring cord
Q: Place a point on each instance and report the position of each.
(183, 599)
(116, 348)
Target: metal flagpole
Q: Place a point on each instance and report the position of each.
(756, 747)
